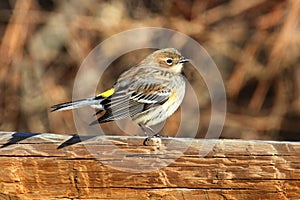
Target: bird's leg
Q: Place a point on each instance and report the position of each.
(144, 129)
(154, 134)
(145, 132)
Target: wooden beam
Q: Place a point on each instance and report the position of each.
(48, 166)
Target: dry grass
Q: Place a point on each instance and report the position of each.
(255, 44)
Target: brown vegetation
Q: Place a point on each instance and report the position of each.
(255, 44)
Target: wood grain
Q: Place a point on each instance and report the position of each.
(52, 166)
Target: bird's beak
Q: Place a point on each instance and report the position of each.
(184, 60)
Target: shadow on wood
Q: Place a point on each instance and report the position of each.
(74, 140)
(17, 137)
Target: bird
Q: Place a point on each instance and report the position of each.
(148, 93)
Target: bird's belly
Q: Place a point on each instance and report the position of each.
(160, 113)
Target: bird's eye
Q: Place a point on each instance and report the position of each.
(169, 61)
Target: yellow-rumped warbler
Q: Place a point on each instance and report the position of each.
(148, 93)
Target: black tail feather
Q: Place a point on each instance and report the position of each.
(94, 102)
(60, 106)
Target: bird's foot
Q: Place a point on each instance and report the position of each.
(152, 140)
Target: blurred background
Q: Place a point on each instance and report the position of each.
(255, 45)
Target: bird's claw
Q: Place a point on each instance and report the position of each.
(145, 143)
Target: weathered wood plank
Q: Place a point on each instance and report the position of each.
(59, 166)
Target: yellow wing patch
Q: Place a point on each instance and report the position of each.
(107, 93)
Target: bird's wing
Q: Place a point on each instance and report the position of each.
(129, 102)
(151, 93)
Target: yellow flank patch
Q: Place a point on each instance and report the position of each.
(172, 97)
(107, 93)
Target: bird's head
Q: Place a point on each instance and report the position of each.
(169, 58)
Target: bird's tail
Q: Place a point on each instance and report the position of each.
(94, 102)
